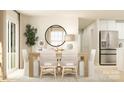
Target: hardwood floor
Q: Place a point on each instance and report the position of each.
(102, 74)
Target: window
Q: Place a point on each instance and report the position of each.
(57, 37)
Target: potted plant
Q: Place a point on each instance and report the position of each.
(30, 35)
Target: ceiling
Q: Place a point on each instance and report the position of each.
(86, 17)
(92, 14)
(84, 23)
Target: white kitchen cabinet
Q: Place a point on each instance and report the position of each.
(103, 25)
(107, 25)
(120, 28)
(120, 59)
(112, 25)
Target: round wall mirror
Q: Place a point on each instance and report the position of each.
(55, 35)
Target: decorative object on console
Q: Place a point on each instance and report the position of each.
(30, 35)
(69, 46)
(40, 45)
(70, 38)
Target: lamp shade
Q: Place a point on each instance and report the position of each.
(70, 37)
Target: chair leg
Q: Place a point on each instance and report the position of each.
(62, 72)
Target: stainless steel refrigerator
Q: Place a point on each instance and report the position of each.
(108, 43)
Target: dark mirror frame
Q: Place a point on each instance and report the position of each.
(48, 30)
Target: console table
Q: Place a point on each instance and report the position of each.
(32, 57)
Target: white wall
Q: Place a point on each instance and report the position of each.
(1, 38)
(89, 39)
(69, 23)
(1, 25)
(24, 20)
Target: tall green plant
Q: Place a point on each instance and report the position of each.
(30, 35)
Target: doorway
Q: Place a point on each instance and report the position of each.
(12, 42)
